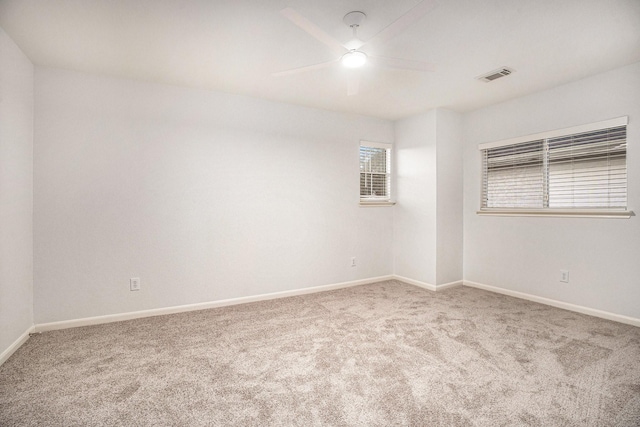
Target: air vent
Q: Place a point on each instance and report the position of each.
(495, 74)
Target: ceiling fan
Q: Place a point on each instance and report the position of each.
(352, 54)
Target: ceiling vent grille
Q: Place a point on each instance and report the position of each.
(495, 74)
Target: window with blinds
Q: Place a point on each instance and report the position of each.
(513, 176)
(578, 168)
(375, 171)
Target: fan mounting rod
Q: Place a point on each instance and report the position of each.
(353, 20)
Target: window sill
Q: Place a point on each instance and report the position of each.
(376, 203)
(568, 213)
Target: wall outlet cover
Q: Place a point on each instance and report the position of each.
(134, 284)
(564, 276)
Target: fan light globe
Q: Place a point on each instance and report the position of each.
(354, 59)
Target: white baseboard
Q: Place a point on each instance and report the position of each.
(428, 286)
(424, 285)
(16, 345)
(264, 297)
(41, 327)
(559, 304)
(449, 285)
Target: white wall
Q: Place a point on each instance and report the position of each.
(449, 197)
(203, 195)
(16, 192)
(428, 213)
(414, 221)
(526, 254)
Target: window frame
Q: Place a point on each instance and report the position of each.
(600, 212)
(378, 200)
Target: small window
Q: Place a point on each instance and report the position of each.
(581, 168)
(375, 172)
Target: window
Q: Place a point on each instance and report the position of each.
(375, 172)
(562, 172)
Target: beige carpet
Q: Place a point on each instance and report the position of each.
(387, 354)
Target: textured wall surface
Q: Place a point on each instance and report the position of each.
(16, 192)
(203, 195)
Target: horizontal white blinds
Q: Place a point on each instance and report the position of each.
(375, 170)
(588, 170)
(513, 176)
(577, 171)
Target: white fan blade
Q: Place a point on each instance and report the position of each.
(402, 23)
(401, 64)
(304, 69)
(313, 30)
(353, 84)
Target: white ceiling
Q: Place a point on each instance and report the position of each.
(236, 45)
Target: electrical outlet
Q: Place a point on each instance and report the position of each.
(353, 262)
(564, 276)
(134, 284)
